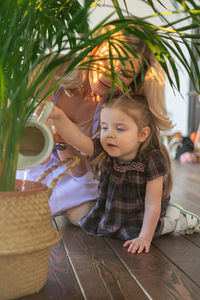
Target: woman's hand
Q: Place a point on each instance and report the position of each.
(138, 245)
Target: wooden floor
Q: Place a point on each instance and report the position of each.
(85, 267)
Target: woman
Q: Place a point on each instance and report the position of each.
(80, 96)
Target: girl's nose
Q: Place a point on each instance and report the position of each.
(110, 134)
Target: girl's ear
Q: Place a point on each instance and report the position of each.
(144, 133)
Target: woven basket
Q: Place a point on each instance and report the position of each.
(26, 236)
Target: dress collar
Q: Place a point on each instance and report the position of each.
(133, 165)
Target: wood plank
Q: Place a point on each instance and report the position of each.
(194, 238)
(61, 283)
(160, 277)
(184, 254)
(101, 274)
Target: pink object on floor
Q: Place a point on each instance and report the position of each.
(188, 157)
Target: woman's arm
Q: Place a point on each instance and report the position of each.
(70, 133)
(152, 211)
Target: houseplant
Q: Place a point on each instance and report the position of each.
(31, 31)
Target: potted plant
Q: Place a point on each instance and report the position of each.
(33, 34)
(30, 32)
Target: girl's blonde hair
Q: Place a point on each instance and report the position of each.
(138, 109)
(152, 85)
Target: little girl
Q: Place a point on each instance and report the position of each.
(135, 175)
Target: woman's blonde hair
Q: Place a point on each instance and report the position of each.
(138, 109)
(152, 84)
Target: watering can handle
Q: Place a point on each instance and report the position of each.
(74, 161)
(45, 112)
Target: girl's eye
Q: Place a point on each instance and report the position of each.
(120, 129)
(104, 128)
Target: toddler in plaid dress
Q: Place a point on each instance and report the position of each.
(135, 177)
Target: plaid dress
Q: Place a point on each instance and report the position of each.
(119, 209)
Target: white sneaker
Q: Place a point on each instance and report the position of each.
(185, 220)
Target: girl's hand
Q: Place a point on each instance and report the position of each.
(55, 114)
(138, 245)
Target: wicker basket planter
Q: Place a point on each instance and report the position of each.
(25, 273)
(26, 237)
